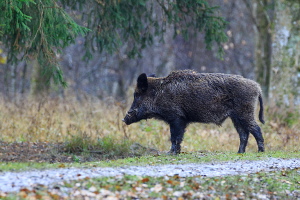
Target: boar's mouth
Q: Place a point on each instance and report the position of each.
(130, 118)
(133, 116)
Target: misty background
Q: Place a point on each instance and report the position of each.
(112, 74)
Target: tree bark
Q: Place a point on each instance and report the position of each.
(23, 80)
(40, 80)
(263, 49)
(286, 53)
(13, 77)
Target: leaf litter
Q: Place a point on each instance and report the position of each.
(271, 178)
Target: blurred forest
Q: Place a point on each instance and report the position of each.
(263, 40)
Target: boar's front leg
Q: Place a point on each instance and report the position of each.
(177, 128)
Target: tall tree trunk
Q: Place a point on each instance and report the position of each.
(286, 53)
(13, 81)
(23, 80)
(263, 49)
(40, 80)
(7, 81)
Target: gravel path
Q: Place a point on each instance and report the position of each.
(14, 181)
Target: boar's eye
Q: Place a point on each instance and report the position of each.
(136, 95)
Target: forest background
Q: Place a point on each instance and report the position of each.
(68, 68)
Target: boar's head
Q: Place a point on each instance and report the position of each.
(142, 105)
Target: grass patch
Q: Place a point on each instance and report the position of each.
(61, 120)
(107, 147)
(194, 157)
(271, 185)
(15, 166)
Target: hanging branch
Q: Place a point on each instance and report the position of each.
(39, 29)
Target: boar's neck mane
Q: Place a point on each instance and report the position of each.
(174, 77)
(184, 75)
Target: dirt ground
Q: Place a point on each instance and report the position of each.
(57, 152)
(39, 152)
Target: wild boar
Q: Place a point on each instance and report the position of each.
(185, 97)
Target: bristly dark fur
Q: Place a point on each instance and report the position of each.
(186, 96)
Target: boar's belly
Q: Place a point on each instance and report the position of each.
(207, 114)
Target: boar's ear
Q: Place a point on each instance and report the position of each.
(142, 82)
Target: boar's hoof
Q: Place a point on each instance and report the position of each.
(261, 149)
(173, 152)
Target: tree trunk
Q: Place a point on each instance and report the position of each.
(286, 68)
(7, 82)
(263, 49)
(23, 80)
(40, 80)
(13, 77)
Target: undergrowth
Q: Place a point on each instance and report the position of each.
(95, 125)
(106, 146)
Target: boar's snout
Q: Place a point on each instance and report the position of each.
(130, 117)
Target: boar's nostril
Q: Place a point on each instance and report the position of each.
(123, 120)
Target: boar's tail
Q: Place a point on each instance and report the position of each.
(261, 110)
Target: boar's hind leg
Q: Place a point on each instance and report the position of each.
(177, 128)
(256, 132)
(243, 127)
(243, 133)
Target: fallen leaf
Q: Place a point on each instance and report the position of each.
(62, 165)
(144, 180)
(211, 188)
(157, 188)
(23, 194)
(164, 197)
(24, 190)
